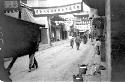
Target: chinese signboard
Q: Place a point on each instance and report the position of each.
(82, 28)
(44, 11)
(11, 5)
(82, 25)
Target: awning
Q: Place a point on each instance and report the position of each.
(28, 16)
(97, 4)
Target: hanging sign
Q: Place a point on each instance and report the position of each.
(45, 11)
(11, 5)
(83, 25)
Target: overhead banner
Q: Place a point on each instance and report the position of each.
(47, 11)
(11, 5)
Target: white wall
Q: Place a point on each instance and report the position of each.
(93, 12)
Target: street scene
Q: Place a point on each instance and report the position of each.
(61, 41)
(52, 43)
(58, 63)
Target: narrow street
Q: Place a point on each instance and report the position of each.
(26, 23)
(57, 63)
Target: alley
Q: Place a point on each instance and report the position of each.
(57, 63)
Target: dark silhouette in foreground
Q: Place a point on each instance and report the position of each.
(19, 38)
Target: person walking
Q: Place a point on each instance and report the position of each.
(78, 41)
(97, 46)
(32, 63)
(32, 60)
(71, 41)
(84, 38)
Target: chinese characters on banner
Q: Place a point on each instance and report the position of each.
(44, 11)
(82, 26)
(11, 5)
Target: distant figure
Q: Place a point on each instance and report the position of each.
(97, 56)
(78, 41)
(84, 37)
(71, 41)
(97, 46)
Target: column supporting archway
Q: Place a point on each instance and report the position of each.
(108, 38)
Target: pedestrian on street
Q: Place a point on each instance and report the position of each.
(32, 60)
(97, 46)
(32, 63)
(71, 41)
(97, 56)
(96, 59)
(84, 38)
(78, 41)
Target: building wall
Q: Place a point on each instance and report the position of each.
(118, 39)
(44, 36)
(93, 12)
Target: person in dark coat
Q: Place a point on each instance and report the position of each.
(84, 38)
(78, 41)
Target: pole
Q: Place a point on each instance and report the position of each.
(49, 24)
(19, 7)
(108, 37)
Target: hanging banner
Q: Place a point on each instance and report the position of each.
(47, 11)
(11, 5)
(83, 25)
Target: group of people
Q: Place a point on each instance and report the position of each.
(77, 40)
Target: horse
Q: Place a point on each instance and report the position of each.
(19, 38)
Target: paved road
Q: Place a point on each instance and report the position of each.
(57, 63)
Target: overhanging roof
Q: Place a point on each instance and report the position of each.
(28, 16)
(117, 8)
(97, 4)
